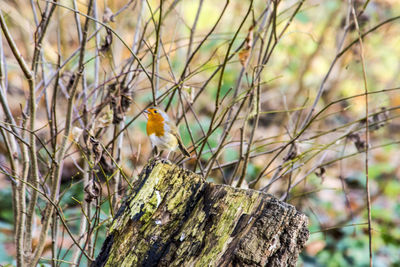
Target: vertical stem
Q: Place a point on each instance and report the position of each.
(56, 174)
(32, 140)
(217, 104)
(54, 240)
(193, 29)
(97, 55)
(34, 164)
(135, 44)
(15, 194)
(255, 126)
(156, 58)
(77, 21)
(117, 155)
(366, 135)
(83, 218)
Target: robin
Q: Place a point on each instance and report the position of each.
(162, 132)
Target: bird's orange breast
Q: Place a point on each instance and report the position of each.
(155, 125)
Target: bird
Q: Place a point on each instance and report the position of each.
(162, 132)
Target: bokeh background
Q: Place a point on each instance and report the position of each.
(322, 174)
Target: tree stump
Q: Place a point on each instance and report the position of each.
(175, 218)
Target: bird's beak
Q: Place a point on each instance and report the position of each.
(146, 114)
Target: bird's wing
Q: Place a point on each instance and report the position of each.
(174, 131)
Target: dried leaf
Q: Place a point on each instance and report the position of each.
(378, 120)
(359, 144)
(107, 41)
(250, 36)
(92, 190)
(106, 164)
(75, 134)
(244, 54)
(189, 93)
(108, 15)
(292, 154)
(320, 172)
(71, 81)
(106, 119)
(97, 149)
(126, 99)
(117, 110)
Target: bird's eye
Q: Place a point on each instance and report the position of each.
(155, 111)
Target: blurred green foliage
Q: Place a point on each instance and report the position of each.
(335, 200)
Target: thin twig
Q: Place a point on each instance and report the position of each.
(32, 139)
(56, 174)
(367, 190)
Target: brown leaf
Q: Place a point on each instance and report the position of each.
(106, 163)
(378, 120)
(245, 52)
(359, 144)
(292, 153)
(105, 119)
(75, 134)
(96, 148)
(108, 15)
(126, 99)
(320, 172)
(92, 190)
(71, 81)
(244, 56)
(107, 41)
(249, 38)
(117, 110)
(189, 92)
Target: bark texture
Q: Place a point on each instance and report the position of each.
(175, 218)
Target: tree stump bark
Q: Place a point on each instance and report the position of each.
(175, 218)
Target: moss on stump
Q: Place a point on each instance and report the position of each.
(175, 218)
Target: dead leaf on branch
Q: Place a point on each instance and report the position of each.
(359, 144)
(93, 190)
(189, 93)
(75, 134)
(378, 120)
(107, 41)
(117, 110)
(106, 164)
(120, 102)
(292, 153)
(320, 172)
(108, 15)
(244, 54)
(105, 119)
(126, 99)
(97, 149)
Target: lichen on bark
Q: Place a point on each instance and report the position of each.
(174, 218)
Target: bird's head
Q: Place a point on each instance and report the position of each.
(156, 114)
